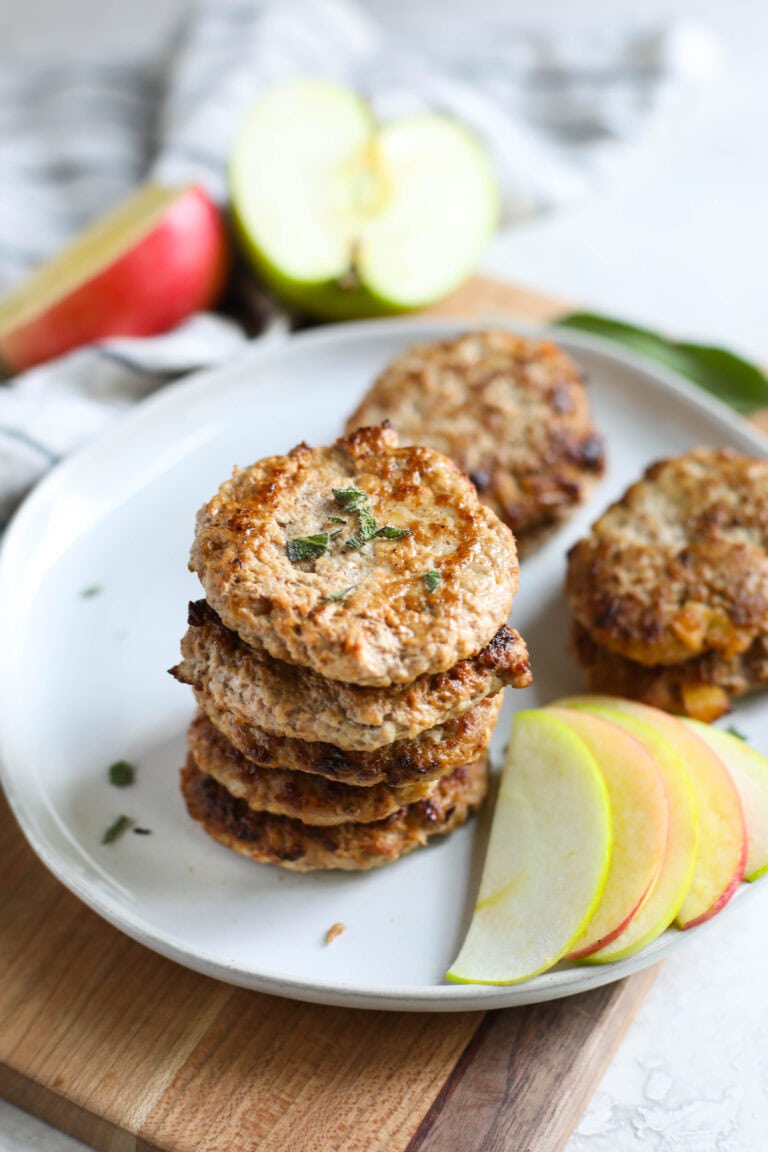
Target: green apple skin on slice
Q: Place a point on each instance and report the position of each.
(547, 859)
(344, 218)
(722, 846)
(749, 771)
(674, 880)
(640, 817)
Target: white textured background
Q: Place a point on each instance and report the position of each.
(680, 241)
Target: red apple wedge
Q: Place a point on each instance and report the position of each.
(749, 771)
(640, 825)
(674, 880)
(158, 257)
(722, 846)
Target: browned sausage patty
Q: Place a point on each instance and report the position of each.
(323, 558)
(285, 792)
(429, 755)
(301, 847)
(513, 414)
(286, 700)
(679, 566)
(702, 687)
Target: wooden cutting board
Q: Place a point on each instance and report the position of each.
(126, 1050)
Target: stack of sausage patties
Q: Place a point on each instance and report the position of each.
(349, 657)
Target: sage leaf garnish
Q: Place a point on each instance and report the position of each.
(353, 500)
(432, 579)
(90, 591)
(121, 774)
(307, 547)
(717, 370)
(336, 520)
(367, 527)
(116, 830)
(350, 499)
(367, 522)
(342, 594)
(732, 730)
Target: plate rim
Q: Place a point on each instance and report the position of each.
(445, 997)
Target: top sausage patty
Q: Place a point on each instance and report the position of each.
(679, 566)
(370, 563)
(512, 413)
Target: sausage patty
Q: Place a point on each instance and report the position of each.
(678, 567)
(369, 563)
(286, 700)
(301, 847)
(702, 687)
(431, 754)
(286, 792)
(513, 413)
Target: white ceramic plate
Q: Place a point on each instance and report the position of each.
(83, 679)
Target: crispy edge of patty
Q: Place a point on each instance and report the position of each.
(285, 792)
(567, 457)
(702, 687)
(430, 755)
(389, 628)
(299, 847)
(677, 566)
(287, 700)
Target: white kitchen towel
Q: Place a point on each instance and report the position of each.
(554, 109)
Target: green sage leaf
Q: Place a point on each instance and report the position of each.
(718, 371)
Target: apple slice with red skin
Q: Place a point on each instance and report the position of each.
(158, 257)
(640, 822)
(722, 845)
(674, 880)
(748, 769)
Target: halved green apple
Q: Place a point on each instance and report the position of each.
(345, 218)
(547, 858)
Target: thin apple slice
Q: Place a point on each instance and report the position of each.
(345, 218)
(749, 771)
(547, 858)
(674, 880)
(640, 817)
(722, 845)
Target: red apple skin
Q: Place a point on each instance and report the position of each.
(178, 267)
(611, 936)
(722, 900)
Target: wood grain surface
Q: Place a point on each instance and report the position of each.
(128, 1051)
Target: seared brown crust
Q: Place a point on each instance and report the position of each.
(290, 701)
(284, 792)
(351, 847)
(678, 567)
(512, 413)
(702, 687)
(389, 629)
(431, 754)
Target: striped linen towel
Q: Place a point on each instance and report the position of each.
(555, 112)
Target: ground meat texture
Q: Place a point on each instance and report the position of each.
(352, 609)
(513, 413)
